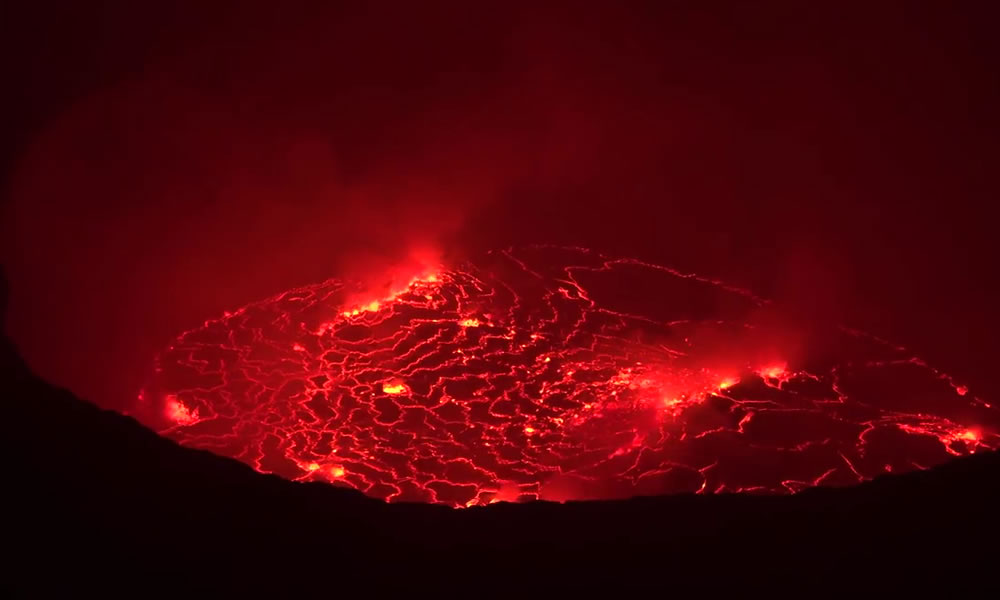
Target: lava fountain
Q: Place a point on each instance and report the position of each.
(551, 373)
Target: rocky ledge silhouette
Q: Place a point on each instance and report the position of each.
(103, 503)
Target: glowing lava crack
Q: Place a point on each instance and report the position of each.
(551, 373)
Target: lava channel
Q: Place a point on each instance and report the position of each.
(551, 373)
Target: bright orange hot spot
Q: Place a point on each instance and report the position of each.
(179, 413)
(375, 305)
(725, 384)
(469, 322)
(969, 435)
(393, 387)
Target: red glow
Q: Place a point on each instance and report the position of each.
(530, 375)
(773, 372)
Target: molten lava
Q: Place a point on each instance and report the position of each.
(551, 373)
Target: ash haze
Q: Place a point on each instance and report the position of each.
(162, 165)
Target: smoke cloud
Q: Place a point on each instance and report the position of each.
(205, 158)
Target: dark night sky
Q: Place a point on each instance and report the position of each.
(162, 164)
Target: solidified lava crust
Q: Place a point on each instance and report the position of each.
(552, 373)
